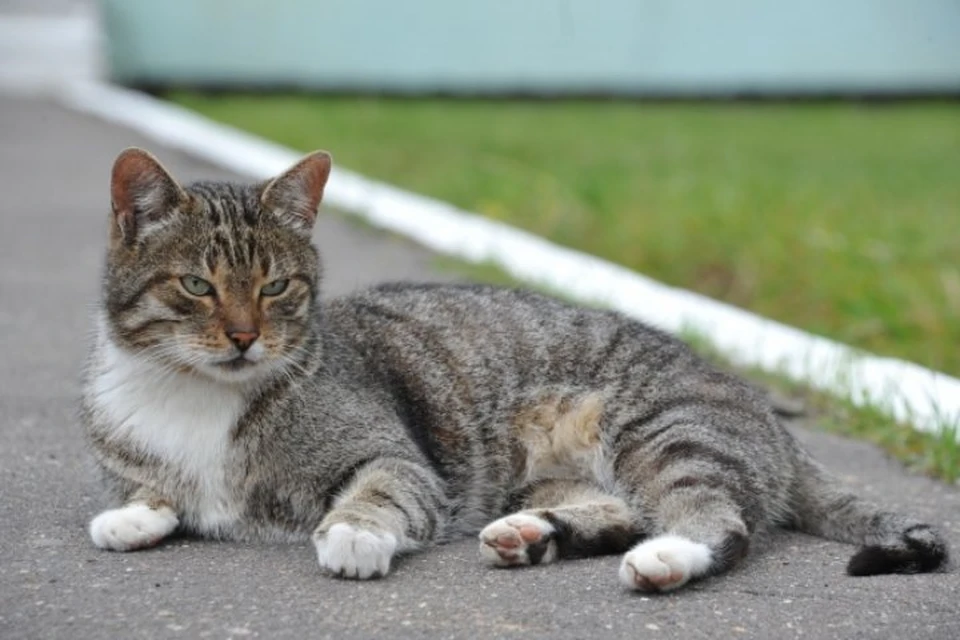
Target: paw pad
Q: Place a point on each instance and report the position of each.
(520, 539)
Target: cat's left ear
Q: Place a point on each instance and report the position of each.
(142, 193)
(294, 196)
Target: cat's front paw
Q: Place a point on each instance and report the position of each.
(664, 563)
(351, 552)
(135, 526)
(520, 539)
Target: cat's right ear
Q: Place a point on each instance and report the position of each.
(142, 193)
(295, 194)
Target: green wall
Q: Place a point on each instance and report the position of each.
(535, 46)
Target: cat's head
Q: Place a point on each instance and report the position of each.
(215, 278)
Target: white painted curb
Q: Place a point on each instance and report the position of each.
(925, 398)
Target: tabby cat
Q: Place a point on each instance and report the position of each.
(224, 399)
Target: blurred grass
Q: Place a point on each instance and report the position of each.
(838, 218)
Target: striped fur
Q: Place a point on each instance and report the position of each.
(404, 415)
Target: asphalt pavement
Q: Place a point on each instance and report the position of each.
(54, 176)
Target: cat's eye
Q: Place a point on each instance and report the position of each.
(196, 286)
(274, 288)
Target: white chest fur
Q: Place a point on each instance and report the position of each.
(184, 420)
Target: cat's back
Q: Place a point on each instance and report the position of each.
(466, 366)
(507, 337)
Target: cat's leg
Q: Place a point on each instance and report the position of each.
(142, 522)
(697, 502)
(391, 506)
(561, 519)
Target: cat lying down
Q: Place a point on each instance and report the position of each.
(224, 399)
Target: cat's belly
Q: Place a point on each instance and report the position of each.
(211, 508)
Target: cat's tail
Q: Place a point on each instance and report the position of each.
(889, 542)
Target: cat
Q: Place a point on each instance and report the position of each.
(223, 399)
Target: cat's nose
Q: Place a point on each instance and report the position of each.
(243, 339)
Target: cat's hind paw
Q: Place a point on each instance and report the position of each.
(347, 551)
(519, 539)
(135, 526)
(664, 563)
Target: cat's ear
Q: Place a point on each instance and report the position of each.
(142, 193)
(295, 194)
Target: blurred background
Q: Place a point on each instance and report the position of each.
(799, 159)
(636, 48)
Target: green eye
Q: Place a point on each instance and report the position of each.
(196, 286)
(275, 288)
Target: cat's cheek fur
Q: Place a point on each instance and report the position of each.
(664, 563)
(351, 552)
(135, 526)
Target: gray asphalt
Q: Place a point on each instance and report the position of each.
(54, 168)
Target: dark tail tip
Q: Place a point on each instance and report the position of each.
(919, 550)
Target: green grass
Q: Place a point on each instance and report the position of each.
(841, 219)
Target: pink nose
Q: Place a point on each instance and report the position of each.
(243, 339)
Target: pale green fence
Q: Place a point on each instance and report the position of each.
(672, 47)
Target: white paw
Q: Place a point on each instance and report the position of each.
(349, 552)
(664, 563)
(134, 526)
(522, 538)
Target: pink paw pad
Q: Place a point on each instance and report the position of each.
(518, 540)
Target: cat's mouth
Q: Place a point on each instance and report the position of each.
(237, 367)
(236, 364)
